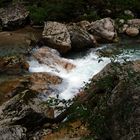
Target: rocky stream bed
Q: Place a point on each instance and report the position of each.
(93, 65)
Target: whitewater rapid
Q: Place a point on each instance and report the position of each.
(73, 81)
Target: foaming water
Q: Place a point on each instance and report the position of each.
(74, 80)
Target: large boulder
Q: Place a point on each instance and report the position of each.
(56, 35)
(52, 59)
(14, 16)
(113, 96)
(80, 38)
(25, 111)
(103, 30)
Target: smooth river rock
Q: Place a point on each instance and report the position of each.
(52, 59)
(103, 30)
(132, 31)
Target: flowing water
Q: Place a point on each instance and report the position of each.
(87, 65)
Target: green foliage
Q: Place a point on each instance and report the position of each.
(37, 14)
(91, 16)
(61, 10)
(4, 3)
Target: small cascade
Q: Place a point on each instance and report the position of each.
(73, 80)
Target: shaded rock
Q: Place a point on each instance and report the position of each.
(25, 109)
(114, 98)
(56, 35)
(103, 29)
(12, 133)
(52, 59)
(13, 17)
(132, 31)
(13, 65)
(80, 38)
(84, 24)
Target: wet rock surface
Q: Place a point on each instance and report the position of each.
(8, 86)
(19, 42)
(52, 59)
(44, 82)
(13, 65)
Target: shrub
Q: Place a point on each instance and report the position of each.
(37, 14)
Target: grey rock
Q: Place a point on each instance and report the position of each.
(12, 133)
(80, 38)
(103, 29)
(56, 35)
(14, 16)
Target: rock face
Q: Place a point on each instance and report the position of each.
(80, 38)
(13, 17)
(13, 65)
(57, 36)
(103, 29)
(23, 112)
(115, 101)
(52, 59)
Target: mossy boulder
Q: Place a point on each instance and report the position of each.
(113, 102)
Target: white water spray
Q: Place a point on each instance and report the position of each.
(74, 80)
